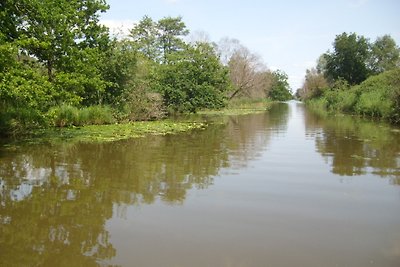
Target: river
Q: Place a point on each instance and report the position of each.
(288, 187)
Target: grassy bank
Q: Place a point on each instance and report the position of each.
(241, 107)
(378, 97)
(97, 123)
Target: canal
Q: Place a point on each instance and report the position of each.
(288, 187)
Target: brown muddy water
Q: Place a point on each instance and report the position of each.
(285, 188)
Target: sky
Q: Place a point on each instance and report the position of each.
(288, 35)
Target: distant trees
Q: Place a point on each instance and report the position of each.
(314, 84)
(247, 72)
(385, 55)
(280, 89)
(194, 79)
(357, 77)
(157, 40)
(354, 58)
(349, 59)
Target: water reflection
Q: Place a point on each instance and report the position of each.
(56, 198)
(354, 146)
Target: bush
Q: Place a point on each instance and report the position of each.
(67, 115)
(374, 104)
(64, 115)
(17, 121)
(377, 97)
(97, 115)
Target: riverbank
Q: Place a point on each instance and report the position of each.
(119, 131)
(378, 97)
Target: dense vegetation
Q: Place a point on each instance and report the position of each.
(60, 67)
(358, 77)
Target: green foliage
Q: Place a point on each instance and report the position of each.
(354, 58)
(96, 115)
(55, 30)
(16, 120)
(193, 79)
(170, 30)
(385, 55)
(121, 70)
(144, 35)
(280, 90)
(377, 97)
(63, 116)
(157, 40)
(67, 115)
(340, 101)
(349, 59)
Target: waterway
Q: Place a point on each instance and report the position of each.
(288, 187)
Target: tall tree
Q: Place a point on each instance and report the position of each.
(170, 32)
(144, 35)
(10, 18)
(246, 72)
(194, 79)
(349, 59)
(54, 30)
(280, 89)
(314, 84)
(385, 54)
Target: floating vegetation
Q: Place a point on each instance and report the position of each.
(112, 132)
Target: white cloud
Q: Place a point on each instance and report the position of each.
(119, 28)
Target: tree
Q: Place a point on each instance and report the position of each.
(194, 79)
(144, 36)
(280, 90)
(247, 74)
(170, 30)
(10, 18)
(385, 54)
(55, 31)
(314, 84)
(349, 59)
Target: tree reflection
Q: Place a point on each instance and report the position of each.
(356, 146)
(56, 198)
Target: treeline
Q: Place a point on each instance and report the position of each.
(358, 77)
(59, 66)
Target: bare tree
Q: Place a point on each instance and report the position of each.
(314, 84)
(246, 70)
(199, 37)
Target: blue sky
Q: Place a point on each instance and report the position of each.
(287, 34)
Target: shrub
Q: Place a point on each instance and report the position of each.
(142, 106)
(95, 115)
(17, 121)
(64, 115)
(374, 104)
(380, 96)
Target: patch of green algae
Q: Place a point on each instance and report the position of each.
(114, 132)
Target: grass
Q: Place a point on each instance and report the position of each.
(241, 107)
